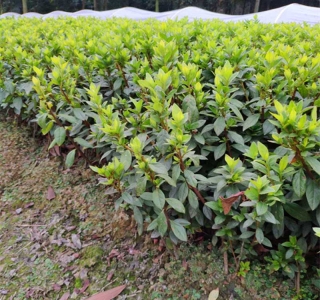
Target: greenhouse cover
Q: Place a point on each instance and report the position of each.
(286, 14)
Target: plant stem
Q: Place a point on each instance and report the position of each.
(297, 281)
(227, 142)
(123, 75)
(225, 262)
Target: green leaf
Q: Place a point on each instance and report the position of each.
(137, 215)
(193, 199)
(131, 200)
(219, 125)
(176, 172)
(199, 138)
(162, 224)
(83, 142)
(259, 235)
(220, 151)
(179, 231)
(48, 127)
(267, 242)
(289, 253)
(153, 225)
(261, 208)
(313, 193)
(158, 198)
(251, 121)
(190, 178)
(70, 158)
(162, 139)
(158, 168)
(60, 135)
(246, 235)
(79, 114)
(314, 164)
(297, 212)
(263, 151)
(183, 192)
(126, 159)
(147, 196)
(283, 163)
(176, 205)
(299, 183)
(168, 179)
(117, 84)
(189, 105)
(70, 119)
(235, 137)
(278, 212)
(17, 105)
(269, 217)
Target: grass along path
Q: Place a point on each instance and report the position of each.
(60, 237)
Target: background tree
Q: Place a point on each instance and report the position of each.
(24, 6)
(257, 6)
(221, 6)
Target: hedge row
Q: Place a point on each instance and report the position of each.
(191, 125)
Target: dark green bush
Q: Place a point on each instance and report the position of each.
(197, 125)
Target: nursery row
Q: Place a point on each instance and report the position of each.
(202, 126)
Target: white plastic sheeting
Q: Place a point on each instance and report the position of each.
(287, 14)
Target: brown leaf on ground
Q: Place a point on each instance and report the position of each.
(28, 205)
(185, 264)
(55, 151)
(86, 284)
(56, 287)
(50, 193)
(76, 241)
(65, 296)
(18, 211)
(110, 275)
(108, 295)
(214, 294)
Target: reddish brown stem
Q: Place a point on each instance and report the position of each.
(123, 75)
(65, 95)
(227, 142)
(197, 192)
(303, 162)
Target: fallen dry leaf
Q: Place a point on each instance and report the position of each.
(86, 284)
(56, 287)
(108, 295)
(28, 205)
(76, 240)
(185, 264)
(110, 275)
(18, 211)
(50, 193)
(65, 296)
(214, 294)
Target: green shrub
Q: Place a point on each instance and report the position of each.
(202, 124)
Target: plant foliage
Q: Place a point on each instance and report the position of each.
(195, 125)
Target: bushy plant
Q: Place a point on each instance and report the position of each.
(192, 125)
